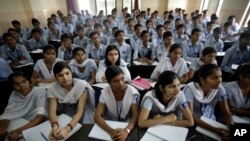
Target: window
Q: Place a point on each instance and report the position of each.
(84, 5)
(110, 5)
(100, 5)
(244, 16)
(128, 4)
(219, 7)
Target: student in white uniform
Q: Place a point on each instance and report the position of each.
(163, 49)
(204, 93)
(238, 91)
(43, 69)
(26, 102)
(215, 41)
(70, 96)
(208, 57)
(118, 102)
(82, 67)
(165, 104)
(81, 40)
(112, 58)
(173, 63)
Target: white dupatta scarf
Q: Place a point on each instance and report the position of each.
(19, 105)
(199, 95)
(46, 74)
(171, 105)
(83, 64)
(126, 102)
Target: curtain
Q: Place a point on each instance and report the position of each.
(136, 4)
(72, 5)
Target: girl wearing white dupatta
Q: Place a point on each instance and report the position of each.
(26, 102)
(173, 63)
(82, 67)
(164, 104)
(119, 102)
(73, 97)
(239, 91)
(204, 93)
(43, 69)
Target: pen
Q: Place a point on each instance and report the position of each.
(44, 137)
(192, 137)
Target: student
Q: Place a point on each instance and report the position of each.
(158, 38)
(165, 104)
(17, 36)
(43, 69)
(67, 27)
(107, 30)
(54, 32)
(37, 41)
(22, 31)
(193, 47)
(65, 51)
(82, 67)
(15, 54)
(118, 102)
(26, 102)
(172, 63)
(179, 36)
(70, 96)
(145, 50)
(215, 41)
(124, 48)
(129, 30)
(112, 58)
(238, 91)
(136, 37)
(81, 40)
(95, 50)
(163, 49)
(208, 32)
(204, 93)
(208, 57)
(112, 39)
(103, 37)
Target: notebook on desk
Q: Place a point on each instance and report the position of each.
(165, 133)
(141, 83)
(98, 133)
(41, 131)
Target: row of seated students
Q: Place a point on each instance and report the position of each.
(119, 101)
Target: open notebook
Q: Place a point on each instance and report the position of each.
(165, 133)
(98, 133)
(210, 133)
(35, 133)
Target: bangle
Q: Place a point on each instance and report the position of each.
(54, 123)
(128, 131)
(70, 126)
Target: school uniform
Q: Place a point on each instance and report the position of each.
(218, 45)
(179, 39)
(54, 36)
(190, 51)
(69, 28)
(66, 54)
(158, 41)
(5, 70)
(81, 42)
(96, 53)
(148, 51)
(197, 63)
(125, 51)
(33, 44)
(161, 52)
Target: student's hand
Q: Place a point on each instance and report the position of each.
(170, 118)
(104, 79)
(122, 134)
(222, 132)
(62, 133)
(51, 136)
(23, 58)
(157, 116)
(150, 62)
(14, 135)
(3, 133)
(14, 63)
(113, 134)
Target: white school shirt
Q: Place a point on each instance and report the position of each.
(125, 51)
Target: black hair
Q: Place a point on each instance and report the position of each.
(245, 34)
(204, 71)
(15, 22)
(180, 26)
(108, 49)
(93, 34)
(115, 28)
(12, 29)
(79, 28)
(243, 69)
(35, 21)
(35, 30)
(49, 47)
(5, 35)
(137, 26)
(65, 36)
(159, 26)
(167, 34)
(208, 50)
(195, 30)
(174, 47)
(75, 50)
(217, 30)
(96, 25)
(59, 66)
(144, 32)
(13, 75)
(118, 32)
(165, 78)
(112, 71)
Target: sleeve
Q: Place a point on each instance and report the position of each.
(129, 53)
(100, 72)
(135, 55)
(193, 65)
(127, 75)
(93, 66)
(188, 94)
(36, 67)
(60, 53)
(101, 99)
(136, 99)
(222, 94)
(42, 105)
(148, 104)
(184, 52)
(25, 54)
(225, 64)
(153, 52)
(207, 44)
(183, 101)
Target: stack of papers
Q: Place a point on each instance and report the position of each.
(165, 133)
(141, 83)
(37, 51)
(98, 133)
(144, 64)
(208, 132)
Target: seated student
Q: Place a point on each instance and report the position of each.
(129, 30)
(208, 32)
(107, 28)
(204, 93)
(37, 41)
(103, 37)
(227, 34)
(66, 26)
(180, 35)
(22, 31)
(238, 54)
(238, 91)
(112, 58)
(43, 69)
(165, 104)
(15, 54)
(112, 37)
(82, 67)
(208, 57)
(163, 50)
(54, 33)
(136, 37)
(125, 49)
(118, 102)
(193, 47)
(145, 51)
(81, 40)
(95, 50)
(17, 36)
(65, 51)
(215, 41)
(25, 102)
(70, 96)
(172, 63)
